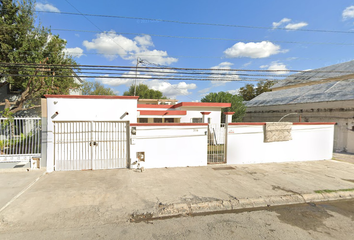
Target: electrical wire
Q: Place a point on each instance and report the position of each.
(197, 23)
(133, 68)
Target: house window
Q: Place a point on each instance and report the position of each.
(157, 120)
(169, 120)
(142, 120)
(197, 120)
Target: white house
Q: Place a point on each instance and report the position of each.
(106, 132)
(184, 112)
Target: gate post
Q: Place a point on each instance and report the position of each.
(228, 120)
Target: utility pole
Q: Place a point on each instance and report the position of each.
(138, 60)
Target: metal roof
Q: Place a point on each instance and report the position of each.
(330, 91)
(340, 69)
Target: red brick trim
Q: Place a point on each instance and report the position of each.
(202, 104)
(295, 123)
(154, 106)
(168, 124)
(314, 123)
(91, 96)
(205, 113)
(229, 113)
(161, 113)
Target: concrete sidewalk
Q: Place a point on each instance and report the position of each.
(88, 198)
(13, 183)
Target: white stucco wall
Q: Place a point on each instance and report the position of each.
(309, 142)
(85, 109)
(170, 146)
(194, 112)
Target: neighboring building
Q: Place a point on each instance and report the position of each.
(319, 95)
(184, 112)
(158, 101)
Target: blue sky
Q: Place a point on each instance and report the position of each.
(264, 46)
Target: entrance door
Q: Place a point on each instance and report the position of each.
(216, 143)
(81, 145)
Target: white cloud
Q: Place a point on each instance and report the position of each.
(348, 12)
(112, 45)
(289, 26)
(172, 90)
(295, 26)
(127, 79)
(276, 66)
(234, 92)
(75, 52)
(168, 89)
(247, 64)
(220, 77)
(277, 24)
(46, 7)
(253, 50)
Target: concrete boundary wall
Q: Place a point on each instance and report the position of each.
(310, 141)
(169, 145)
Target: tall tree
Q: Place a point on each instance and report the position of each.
(95, 88)
(249, 91)
(144, 92)
(31, 57)
(237, 105)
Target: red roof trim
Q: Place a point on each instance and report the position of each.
(202, 104)
(152, 112)
(154, 106)
(229, 113)
(314, 123)
(205, 113)
(247, 123)
(295, 123)
(167, 124)
(91, 96)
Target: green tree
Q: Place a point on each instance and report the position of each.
(249, 91)
(144, 92)
(22, 47)
(237, 105)
(95, 88)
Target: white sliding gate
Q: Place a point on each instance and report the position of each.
(81, 145)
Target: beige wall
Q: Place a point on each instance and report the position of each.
(341, 112)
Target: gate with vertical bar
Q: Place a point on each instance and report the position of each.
(81, 145)
(216, 143)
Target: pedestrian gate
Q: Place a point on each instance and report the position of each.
(216, 143)
(81, 145)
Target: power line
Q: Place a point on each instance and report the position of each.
(165, 68)
(206, 38)
(196, 23)
(139, 78)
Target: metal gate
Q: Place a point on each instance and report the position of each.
(80, 145)
(216, 143)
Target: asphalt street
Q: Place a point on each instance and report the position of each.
(330, 220)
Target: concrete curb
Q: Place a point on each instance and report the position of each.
(188, 209)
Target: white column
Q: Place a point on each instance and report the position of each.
(228, 120)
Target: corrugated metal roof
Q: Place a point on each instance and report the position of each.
(330, 91)
(317, 74)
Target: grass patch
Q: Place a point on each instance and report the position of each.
(330, 191)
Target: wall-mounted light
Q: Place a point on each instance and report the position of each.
(133, 131)
(124, 114)
(55, 114)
